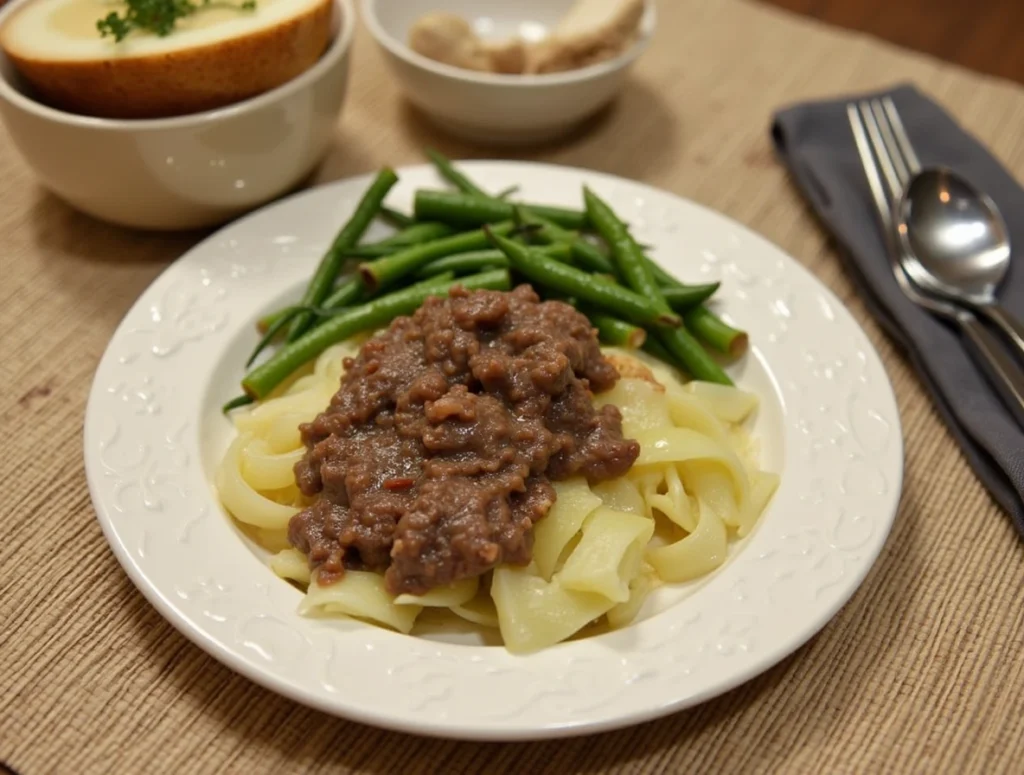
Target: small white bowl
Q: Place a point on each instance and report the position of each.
(497, 108)
(187, 171)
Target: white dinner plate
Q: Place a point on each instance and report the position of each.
(827, 422)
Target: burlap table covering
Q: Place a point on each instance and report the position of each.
(923, 671)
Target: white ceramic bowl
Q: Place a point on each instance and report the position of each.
(187, 171)
(494, 108)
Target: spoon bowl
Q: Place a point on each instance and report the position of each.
(954, 244)
(955, 236)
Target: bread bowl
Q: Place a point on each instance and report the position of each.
(182, 172)
(212, 58)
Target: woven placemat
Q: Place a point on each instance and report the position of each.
(921, 672)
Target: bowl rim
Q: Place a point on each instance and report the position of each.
(399, 49)
(339, 46)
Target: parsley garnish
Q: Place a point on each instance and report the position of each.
(157, 16)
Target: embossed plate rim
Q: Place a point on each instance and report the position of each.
(818, 540)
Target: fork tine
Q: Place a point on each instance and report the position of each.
(871, 171)
(883, 208)
(902, 138)
(893, 149)
(889, 172)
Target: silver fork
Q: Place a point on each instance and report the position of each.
(886, 151)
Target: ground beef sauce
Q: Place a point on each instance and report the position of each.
(435, 458)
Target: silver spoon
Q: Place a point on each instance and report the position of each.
(956, 245)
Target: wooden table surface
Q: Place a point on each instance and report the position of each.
(983, 35)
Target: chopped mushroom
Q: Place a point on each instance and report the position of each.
(447, 38)
(592, 31)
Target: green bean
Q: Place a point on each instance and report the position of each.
(687, 297)
(663, 278)
(379, 312)
(440, 277)
(606, 297)
(345, 293)
(477, 260)
(461, 263)
(323, 312)
(396, 218)
(453, 176)
(547, 294)
(413, 235)
(451, 173)
(386, 271)
(417, 233)
(282, 319)
(560, 251)
(350, 234)
(236, 402)
(680, 298)
(563, 216)
(588, 256)
(636, 272)
(373, 250)
(615, 332)
(626, 254)
(692, 356)
(611, 330)
(265, 322)
(715, 332)
(348, 291)
(653, 347)
(465, 185)
(591, 257)
(461, 209)
(704, 323)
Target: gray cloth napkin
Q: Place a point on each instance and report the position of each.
(814, 141)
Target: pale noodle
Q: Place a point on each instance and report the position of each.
(598, 553)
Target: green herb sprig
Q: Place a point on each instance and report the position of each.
(157, 16)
